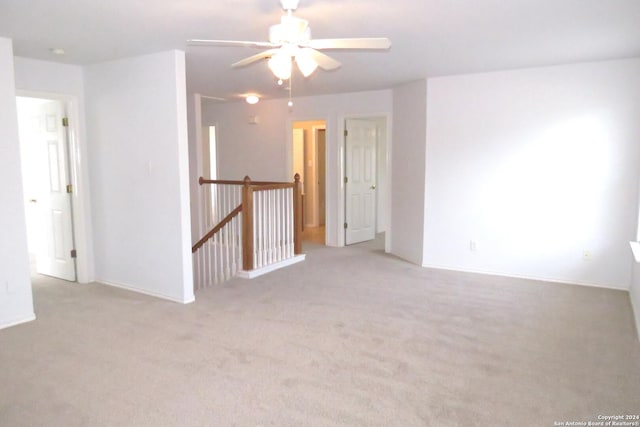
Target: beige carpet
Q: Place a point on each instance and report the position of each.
(349, 337)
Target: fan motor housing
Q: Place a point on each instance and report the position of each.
(290, 30)
(289, 4)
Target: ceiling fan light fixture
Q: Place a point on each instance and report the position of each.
(280, 65)
(306, 64)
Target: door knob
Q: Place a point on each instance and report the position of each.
(33, 201)
(373, 187)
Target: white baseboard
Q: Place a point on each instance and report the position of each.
(18, 321)
(145, 291)
(271, 267)
(541, 279)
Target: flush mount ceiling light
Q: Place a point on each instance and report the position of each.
(57, 51)
(290, 40)
(252, 99)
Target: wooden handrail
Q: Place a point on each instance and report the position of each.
(217, 228)
(202, 181)
(278, 186)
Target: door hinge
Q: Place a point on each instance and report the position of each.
(65, 121)
(345, 225)
(346, 180)
(69, 188)
(346, 132)
(74, 254)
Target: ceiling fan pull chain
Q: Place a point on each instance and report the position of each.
(290, 103)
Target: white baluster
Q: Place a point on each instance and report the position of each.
(271, 228)
(280, 226)
(239, 225)
(257, 224)
(226, 236)
(215, 211)
(264, 228)
(285, 232)
(201, 267)
(232, 229)
(290, 222)
(286, 223)
(274, 224)
(216, 261)
(256, 230)
(196, 271)
(267, 243)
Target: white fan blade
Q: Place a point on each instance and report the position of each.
(361, 43)
(229, 43)
(324, 61)
(254, 58)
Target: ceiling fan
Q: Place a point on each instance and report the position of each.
(290, 41)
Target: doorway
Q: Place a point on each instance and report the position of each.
(309, 161)
(366, 187)
(44, 148)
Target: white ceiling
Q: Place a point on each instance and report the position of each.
(429, 37)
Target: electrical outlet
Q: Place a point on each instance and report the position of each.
(586, 255)
(473, 246)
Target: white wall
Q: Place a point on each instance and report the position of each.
(194, 116)
(66, 82)
(16, 304)
(263, 150)
(408, 170)
(536, 166)
(137, 126)
(49, 77)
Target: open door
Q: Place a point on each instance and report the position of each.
(44, 146)
(360, 180)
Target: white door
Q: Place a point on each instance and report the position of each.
(360, 186)
(51, 201)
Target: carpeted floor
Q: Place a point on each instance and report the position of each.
(349, 337)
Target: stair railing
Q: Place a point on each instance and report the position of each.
(257, 224)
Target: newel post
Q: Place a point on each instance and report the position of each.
(297, 215)
(247, 225)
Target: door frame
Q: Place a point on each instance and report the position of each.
(316, 205)
(334, 179)
(383, 154)
(290, 122)
(79, 178)
(376, 177)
